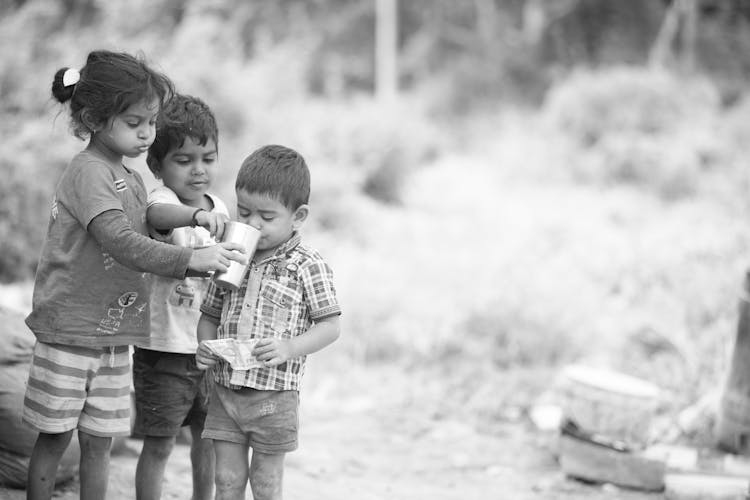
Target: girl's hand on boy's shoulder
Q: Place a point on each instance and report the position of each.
(212, 221)
(272, 351)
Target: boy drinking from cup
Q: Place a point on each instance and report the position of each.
(286, 304)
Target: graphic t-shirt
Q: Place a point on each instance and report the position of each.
(82, 296)
(175, 304)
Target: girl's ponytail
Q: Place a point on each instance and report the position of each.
(60, 91)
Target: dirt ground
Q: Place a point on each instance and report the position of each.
(382, 443)
(367, 455)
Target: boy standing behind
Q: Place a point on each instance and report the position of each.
(287, 302)
(169, 388)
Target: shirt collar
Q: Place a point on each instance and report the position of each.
(283, 249)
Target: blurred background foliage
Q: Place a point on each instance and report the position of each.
(266, 64)
(535, 148)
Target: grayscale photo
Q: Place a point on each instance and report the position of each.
(374, 249)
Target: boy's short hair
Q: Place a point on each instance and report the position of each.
(276, 171)
(183, 116)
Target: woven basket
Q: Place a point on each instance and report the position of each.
(608, 403)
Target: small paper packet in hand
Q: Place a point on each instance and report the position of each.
(238, 353)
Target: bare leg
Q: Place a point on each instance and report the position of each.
(266, 475)
(202, 460)
(45, 458)
(94, 471)
(149, 473)
(231, 470)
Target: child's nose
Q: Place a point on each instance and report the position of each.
(144, 132)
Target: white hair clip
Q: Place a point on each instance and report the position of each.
(71, 77)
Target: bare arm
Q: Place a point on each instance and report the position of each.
(166, 216)
(207, 326)
(273, 351)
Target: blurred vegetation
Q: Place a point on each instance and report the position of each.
(263, 65)
(555, 175)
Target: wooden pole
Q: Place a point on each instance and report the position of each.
(534, 20)
(689, 34)
(386, 49)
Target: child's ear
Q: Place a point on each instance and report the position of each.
(91, 123)
(299, 216)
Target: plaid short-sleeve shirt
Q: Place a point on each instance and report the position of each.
(281, 297)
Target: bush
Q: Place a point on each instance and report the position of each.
(30, 172)
(23, 222)
(473, 84)
(671, 169)
(378, 146)
(647, 128)
(591, 105)
(516, 339)
(735, 127)
(384, 182)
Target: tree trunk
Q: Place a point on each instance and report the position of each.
(733, 423)
(679, 30)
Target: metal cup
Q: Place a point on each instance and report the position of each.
(245, 235)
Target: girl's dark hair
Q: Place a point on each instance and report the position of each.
(183, 116)
(278, 172)
(110, 83)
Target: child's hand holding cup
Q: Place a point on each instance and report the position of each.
(245, 235)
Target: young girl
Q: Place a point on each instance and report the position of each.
(91, 294)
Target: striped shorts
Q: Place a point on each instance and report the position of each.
(79, 387)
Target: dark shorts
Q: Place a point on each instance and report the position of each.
(267, 421)
(170, 392)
